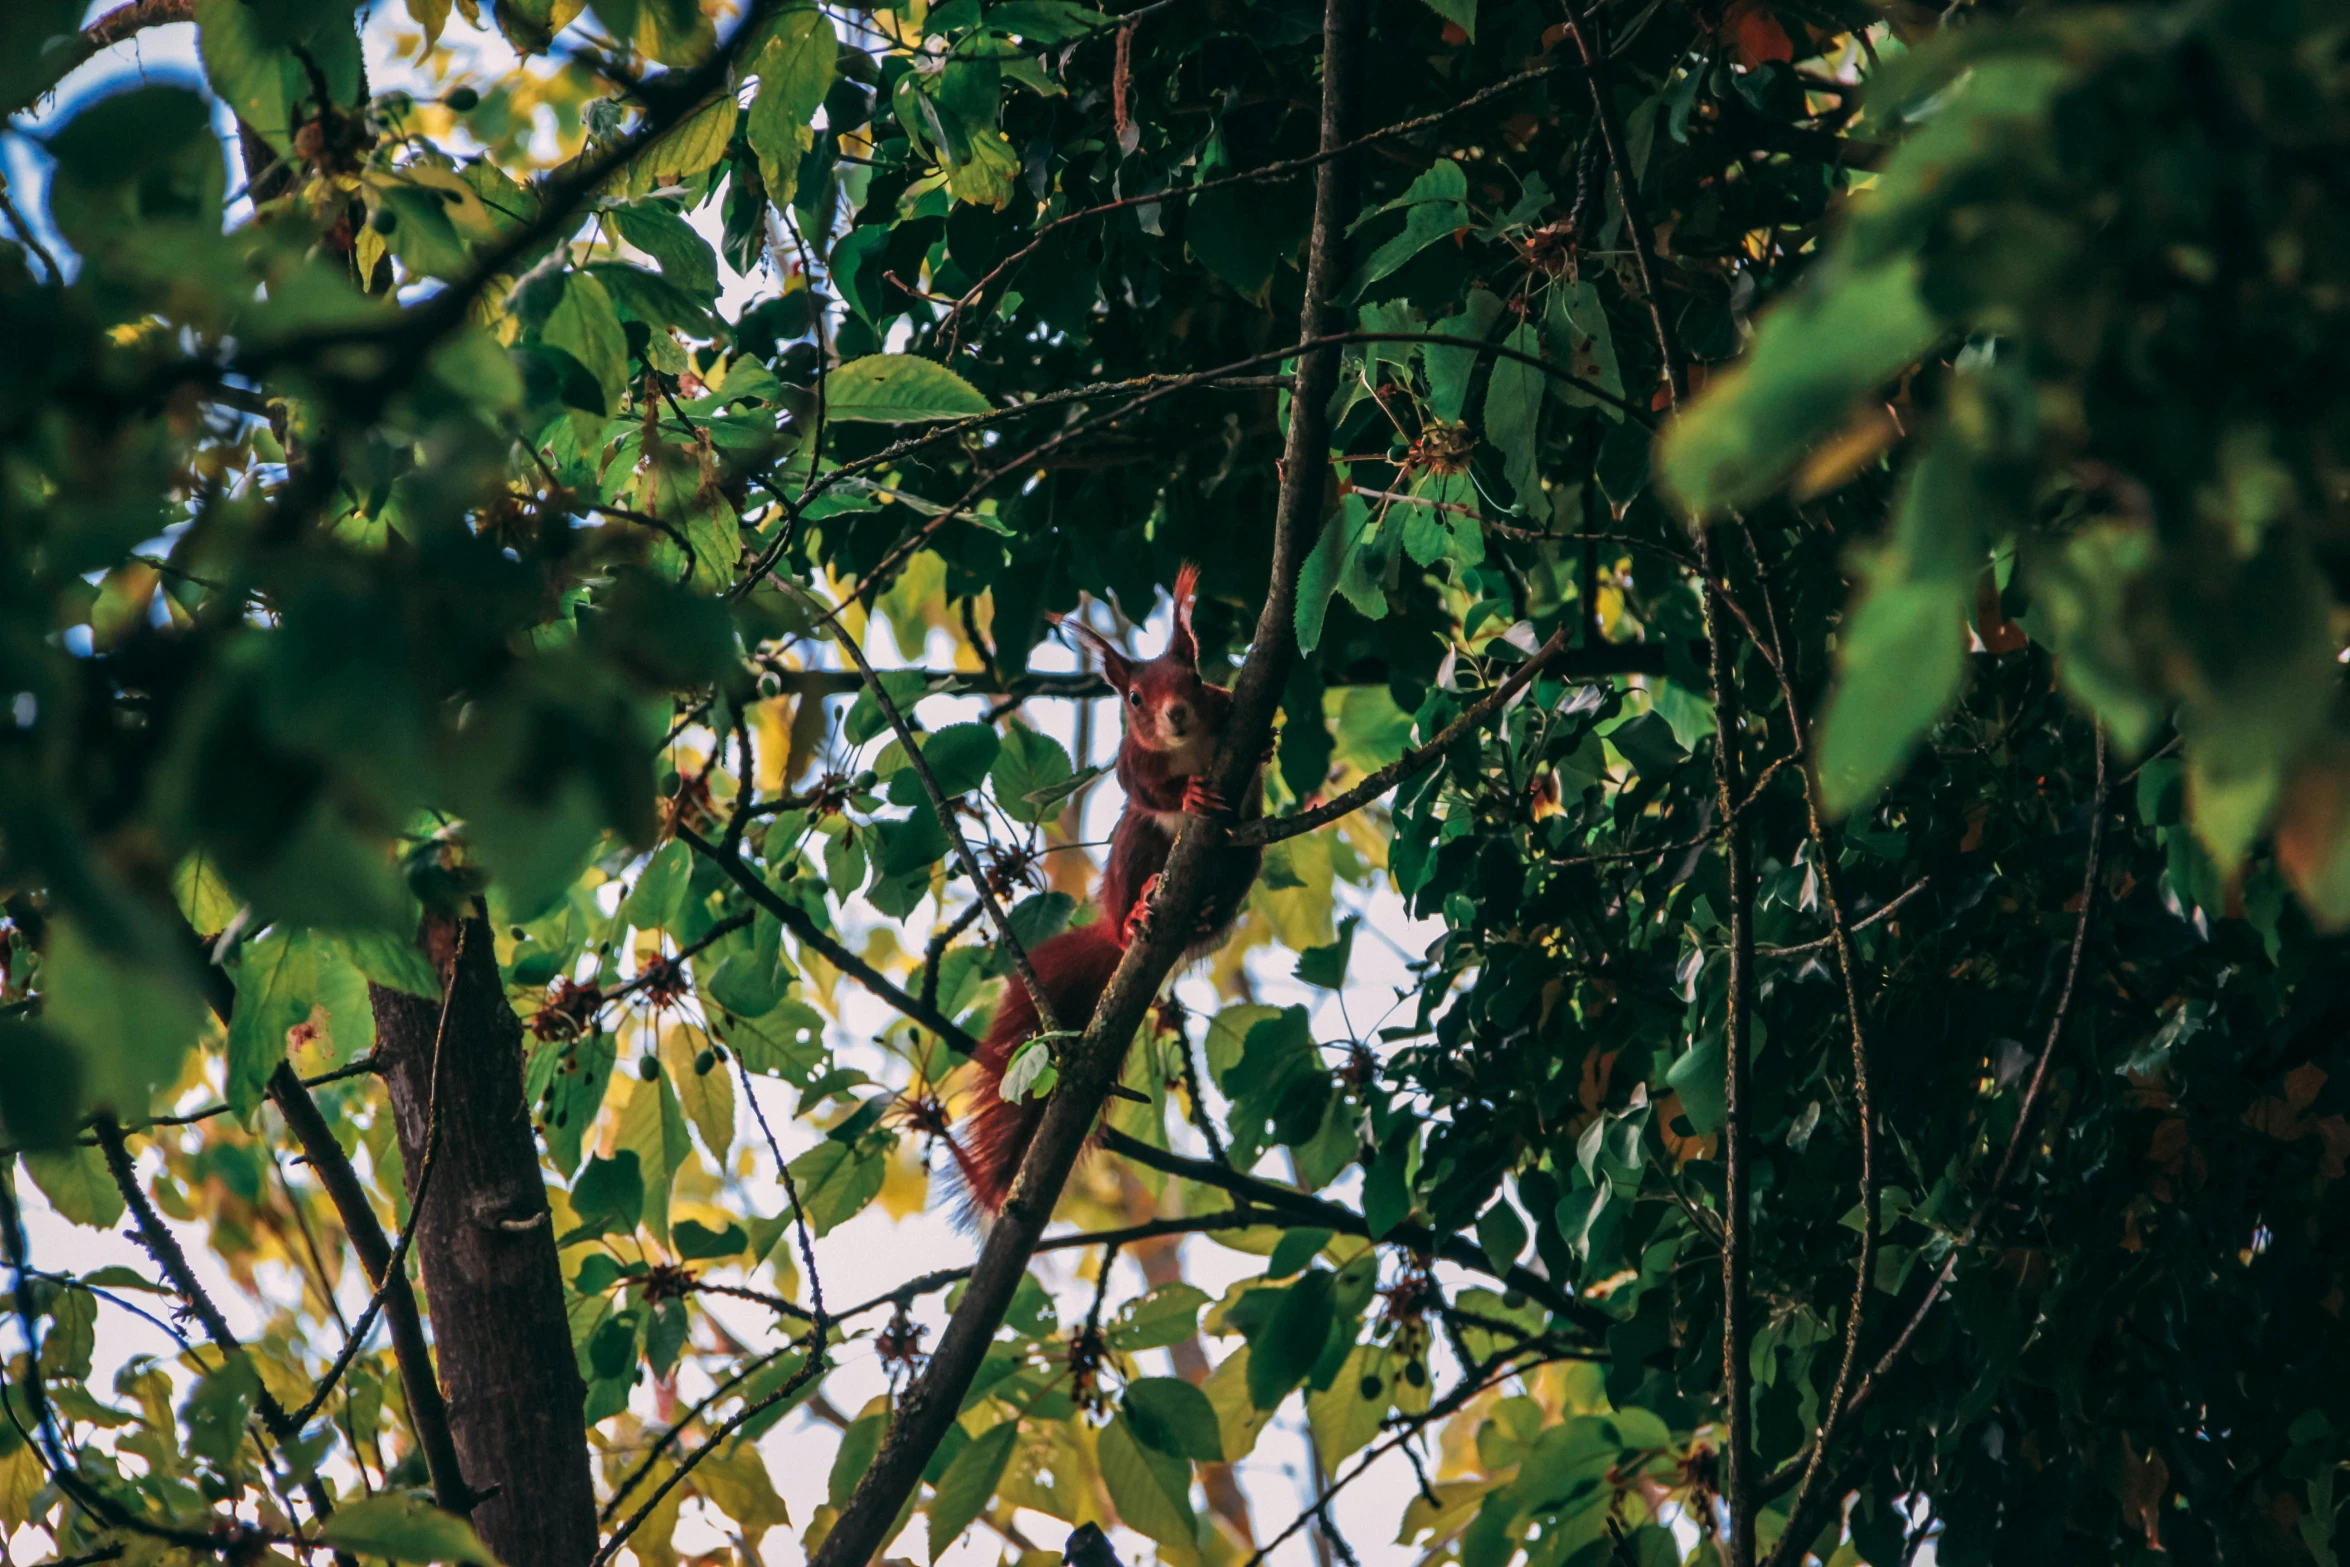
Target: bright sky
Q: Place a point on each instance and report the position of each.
(870, 1254)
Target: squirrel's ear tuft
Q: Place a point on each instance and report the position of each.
(1117, 668)
(1183, 643)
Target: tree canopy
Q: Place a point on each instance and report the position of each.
(1805, 544)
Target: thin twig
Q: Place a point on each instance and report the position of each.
(796, 920)
(1848, 965)
(397, 1266)
(1287, 168)
(2012, 1153)
(1046, 1011)
(889, 563)
(1876, 916)
(1275, 829)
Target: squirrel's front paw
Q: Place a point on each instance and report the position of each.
(1203, 799)
(1138, 918)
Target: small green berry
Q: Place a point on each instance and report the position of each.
(648, 1069)
(384, 221)
(463, 99)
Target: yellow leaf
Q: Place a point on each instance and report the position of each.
(736, 1482)
(1342, 1418)
(707, 1095)
(697, 143)
(1238, 1419)
(21, 1478)
(771, 721)
(905, 1184)
(1456, 1504)
(432, 16)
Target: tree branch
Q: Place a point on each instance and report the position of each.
(2013, 1152)
(1319, 1214)
(1275, 828)
(428, 1409)
(1737, 1220)
(1089, 1069)
(164, 1247)
(1046, 1012)
(809, 934)
(72, 51)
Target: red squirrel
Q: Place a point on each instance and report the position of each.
(1174, 721)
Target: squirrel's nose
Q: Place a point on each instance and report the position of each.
(1178, 716)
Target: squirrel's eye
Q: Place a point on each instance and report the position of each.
(1134, 699)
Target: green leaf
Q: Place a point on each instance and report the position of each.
(395, 962)
(836, 1181)
(78, 1185)
(697, 1242)
(959, 755)
(585, 326)
(1575, 329)
(1697, 1076)
(685, 258)
(217, 1407)
(795, 71)
(1513, 417)
(1501, 1234)
(1325, 967)
(1170, 1416)
(249, 55)
(786, 1042)
(654, 903)
(1152, 1492)
(1295, 1250)
(610, 1193)
(396, 1525)
(1045, 21)
(1903, 652)
(1291, 1341)
(1030, 1073)
(866, 719)
(131, 1022)
(1344, 1417)
(202, 896)
(899, 389)
(1461, 13)
(698, 141)
(1814, 356)
(1167, 1315)
(278, 979)
(970, 1480)
(1434, 208)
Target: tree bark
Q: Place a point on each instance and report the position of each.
(486, 1242)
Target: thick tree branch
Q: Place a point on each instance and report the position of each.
(1090, 1068)
(809, 934)
(428, 1410)
(69, 52)
(420, 1386)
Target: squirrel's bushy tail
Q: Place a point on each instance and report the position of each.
(993, 1136)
